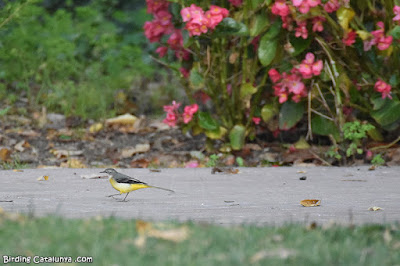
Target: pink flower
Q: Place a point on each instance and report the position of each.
(215, 15)
(280, 8)
(383, 42)
(305, 5)
(162, 51)
(396, 11)
(182, 54)
(332, 6)
(349, 38)
(295, 85)
(383, 88)
(301, 30)
(188, 13)
(236, 2)
(171, 119)
(163, 17)
(256, 120)
(175, 40)
(308, 68)
(155, 5)
(153, 30)
(188, 112)
(287, 23)
(185, 73)
(274, 75)
(317, 23)
(172, 108)
(192, 164)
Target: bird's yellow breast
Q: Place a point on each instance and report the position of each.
(124, 187)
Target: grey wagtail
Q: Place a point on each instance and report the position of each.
(126, 184)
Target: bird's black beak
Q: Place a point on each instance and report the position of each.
(104, 172)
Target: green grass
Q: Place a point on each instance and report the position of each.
(111, 241)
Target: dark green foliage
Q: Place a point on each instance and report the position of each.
(71, 58)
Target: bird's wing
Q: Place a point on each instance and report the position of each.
(121, 178)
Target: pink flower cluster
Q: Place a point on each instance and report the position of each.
(236, 2)
(173, 116)
(383, 88)
(379, 39)
(396, 11)
(349, 38)
(282, 9)
(162, 25)
(285, 84)
(309, 68)
(199, 22)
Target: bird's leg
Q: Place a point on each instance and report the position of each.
(113, 195)
(125, 196)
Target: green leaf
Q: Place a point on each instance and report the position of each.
(345, 15)
(207, 122)
(260, 22)
(299, 44)
(247, 89)
(229, 26)
(268, 111)
(236, 137)
(395, 32)
(4, 111)
(216, 134)
(274, 30)
(375, 134)
(290, 114)
(324, 127)
(268, 44)
(267, 50)
(196, 79)
(255, 3)
(388, 114)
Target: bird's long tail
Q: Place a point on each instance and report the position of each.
(166, 189)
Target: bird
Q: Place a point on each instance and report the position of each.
(127, 184)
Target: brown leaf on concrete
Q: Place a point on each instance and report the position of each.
(310, 202)
(375, 208)
(43, 178)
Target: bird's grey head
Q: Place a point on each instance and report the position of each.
(109, 171)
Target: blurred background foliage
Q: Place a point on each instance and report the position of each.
(87, 58)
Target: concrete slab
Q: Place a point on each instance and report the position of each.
(255, 195)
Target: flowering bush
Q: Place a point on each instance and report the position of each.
(259, 63)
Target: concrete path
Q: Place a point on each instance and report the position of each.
(255, 195)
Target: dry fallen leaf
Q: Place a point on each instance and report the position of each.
(17, 170)
(175, 235)
(310, 202)
(301, 172)
(372, 168)
(65, 153)
(95, 127)
(73, 163)
(375, 208)
(126, 119)
(139, 148)
(140, 163)
(94, 176)
(5, 154)
(20, 146)
(145, 229)
(43, 178)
